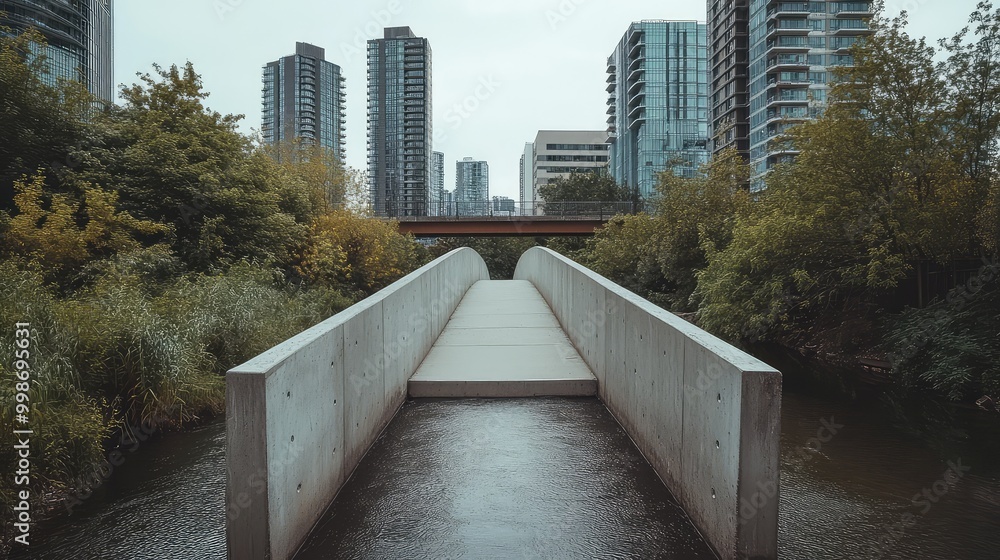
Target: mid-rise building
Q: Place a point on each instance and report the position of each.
(557, 153)
(399, 124)
(504, 206)
(658, 103)
(437, 180)
(304, 100)
(790, 49)
(472, 187)
(80, 36)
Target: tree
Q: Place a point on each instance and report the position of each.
(176, 162)
(873, 191)
(323, 174)
(593, 187)
(60, 234)
(356, 254)
(500, 253)
(39, 124)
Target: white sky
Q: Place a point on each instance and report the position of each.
(544, 59)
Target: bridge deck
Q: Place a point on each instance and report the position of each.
(552, 478)
(502, 341)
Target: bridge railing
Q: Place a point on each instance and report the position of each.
(705, 414)
(300, 416)
(600, 210)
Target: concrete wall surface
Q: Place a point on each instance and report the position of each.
(300, 416)
(705, 414)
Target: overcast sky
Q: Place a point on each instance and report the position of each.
(520, 65)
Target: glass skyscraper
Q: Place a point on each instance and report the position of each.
(472, 187)
(399, 125)
(657, 102)
(80, 36)
(304, 98)
(790, 48)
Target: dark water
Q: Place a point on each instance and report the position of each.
(166, 500)
(505, 478)
(845, 495)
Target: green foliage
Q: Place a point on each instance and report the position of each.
(626, 249)
(500, 253)
(49, 234)
(356, 254)
(597, 186)
(125, 350)
(70, 426)
(177, 163)
(951, 347)
(39, 125)
(874, 188)
(657, 255)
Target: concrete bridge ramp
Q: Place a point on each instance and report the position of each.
(502, 341)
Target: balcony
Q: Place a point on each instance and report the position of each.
(788, 8)
(853, 9)
(788, 61)
(788, 46)
(611, 87)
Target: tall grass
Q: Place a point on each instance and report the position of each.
(138, 343)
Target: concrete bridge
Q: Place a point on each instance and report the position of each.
(301, 416)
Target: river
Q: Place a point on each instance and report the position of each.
(863, 476)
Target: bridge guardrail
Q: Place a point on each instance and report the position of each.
(479, 209)
(300, 416)
(705, 414)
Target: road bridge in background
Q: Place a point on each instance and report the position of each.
(525, 219)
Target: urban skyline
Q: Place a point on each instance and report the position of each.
(504, 115)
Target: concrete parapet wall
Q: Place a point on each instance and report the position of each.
(705, 414)
(300, 416)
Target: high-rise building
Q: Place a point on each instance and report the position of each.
(448, 203)
(303, 99)
(399, 124)
(557, 153)
(658, 102)
(790, 49)
(437, 180)
(527, 185)
(728, 58)
(472, 187)
(80, 36)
